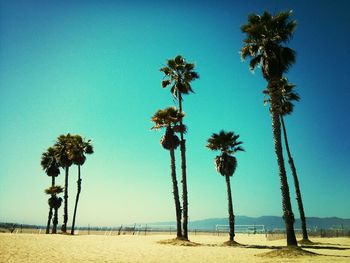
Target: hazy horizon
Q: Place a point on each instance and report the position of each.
(92, 68)
(172, 221)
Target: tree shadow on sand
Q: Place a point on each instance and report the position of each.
(290, 252)
(311, 243)
(325, 247)
(277, 251)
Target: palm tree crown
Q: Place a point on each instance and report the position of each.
(179, 74)
(78, 147)
(227, 144)
(169, 118)
(54, 201)
(285, 92)
(63, 145)
(53, 190)
(264, 43)
(49, 162)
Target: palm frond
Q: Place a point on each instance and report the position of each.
(165, 83)
(171, 64)
(180, 128)
(189, 66)
(167, 71)
(239, 148)
(287, 56)
(166, 117)
(244, 52)
(255, 62)
(223, 141)
(54, 190)
(179, 60)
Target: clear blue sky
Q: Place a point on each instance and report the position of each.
(92, 68)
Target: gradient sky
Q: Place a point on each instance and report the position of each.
(92, 68)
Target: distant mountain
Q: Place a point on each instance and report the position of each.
(270, 222)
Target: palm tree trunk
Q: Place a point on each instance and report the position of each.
(176, 194)
(296, 183)
(50, 211)
(286, 204)
(49, 221)
(55, 221)
(76, 200)
(65, 216)
(184, 176)
(231, 218)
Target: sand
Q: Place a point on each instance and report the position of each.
(140, 248)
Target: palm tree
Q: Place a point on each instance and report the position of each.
(63, 145)
(179, 74)
(287, 97)
(266, 35)
(50, 165)
(77, 152)
(226, 163)
(170, 118)
(54, 203)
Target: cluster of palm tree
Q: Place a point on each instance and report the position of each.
(265, 44)
(67, 150)
(50, 164)
(169, 119)
(266, 36)
(178, 75)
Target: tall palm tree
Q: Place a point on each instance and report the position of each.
(77, 152)
(50, 165)
(287, 97)
(178, 75)
(54, 203)
(227, 143)
(266, 36)
(63, 145)
(170, 118)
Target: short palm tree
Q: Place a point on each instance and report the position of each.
(54, 203)
(63, 145)
(288, 96)
(169, 119)
(50, 165)
(77, 152)
(266, 36)
(227, 143)
(178, 75)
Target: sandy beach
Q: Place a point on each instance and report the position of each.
(127, 248)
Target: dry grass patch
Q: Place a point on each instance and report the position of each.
(287, 252)
(231, 244)
(178, 242)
